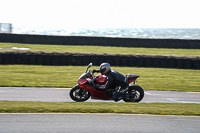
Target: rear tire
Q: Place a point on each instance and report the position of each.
(77, 96)
(135, 93)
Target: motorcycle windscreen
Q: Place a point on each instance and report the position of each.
(85, 75)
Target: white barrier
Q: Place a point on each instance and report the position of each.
(5, 28)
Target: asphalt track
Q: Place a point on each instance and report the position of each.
(97, 123)
(62, 95)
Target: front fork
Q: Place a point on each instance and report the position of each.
(81, 92)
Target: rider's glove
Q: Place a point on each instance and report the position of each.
(93, 70)
(90, 81)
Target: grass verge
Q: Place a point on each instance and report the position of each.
(66, 76)
(106, 49)
(87, 107)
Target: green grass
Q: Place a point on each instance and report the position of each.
(66, 76)
(105, 49)
(77, 107)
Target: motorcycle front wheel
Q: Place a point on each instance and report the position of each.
(78, 94)
(135, 93)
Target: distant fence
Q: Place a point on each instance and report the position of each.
(100, 41)
(84, 59)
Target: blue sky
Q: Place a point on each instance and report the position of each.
(101, 13)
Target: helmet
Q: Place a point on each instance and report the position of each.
(104, 68)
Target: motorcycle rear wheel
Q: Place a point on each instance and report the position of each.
(135, 93)
(78, 94)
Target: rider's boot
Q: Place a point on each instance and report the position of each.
(117, 96)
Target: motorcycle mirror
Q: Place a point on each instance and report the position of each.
(89, 66)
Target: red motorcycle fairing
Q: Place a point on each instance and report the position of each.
(95, 94)
(102, 79)
(82, 81)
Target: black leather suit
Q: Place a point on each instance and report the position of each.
(114, 79)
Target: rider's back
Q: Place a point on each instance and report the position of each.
(118, 78)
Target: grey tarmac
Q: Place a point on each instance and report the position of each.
(97, 123)
(62, 95)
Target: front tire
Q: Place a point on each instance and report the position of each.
(78, 94)
(135, 93)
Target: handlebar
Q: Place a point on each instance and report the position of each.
(94, 77)
(92, 73)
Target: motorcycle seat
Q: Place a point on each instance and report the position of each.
(132, 76)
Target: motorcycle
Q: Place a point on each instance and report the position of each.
(84, 90)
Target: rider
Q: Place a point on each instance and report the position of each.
(114, 79)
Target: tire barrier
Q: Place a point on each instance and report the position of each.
(80, 59)
(100, 41)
